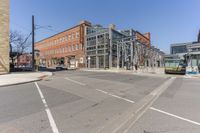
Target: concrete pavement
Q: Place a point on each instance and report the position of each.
(176, 110)
(22, 77)
(156, 72)
(91, 102)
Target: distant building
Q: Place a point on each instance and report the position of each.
(180, 48)
(66, 47)
(24, 59)
(94, 46)
(101, 50)
(190, 51)
(143, 38)
(111, 48)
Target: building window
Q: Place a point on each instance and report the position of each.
(77, 46)
(66, 48)
(73, 36)
(73, 47)
(81, 46)
(70, 48)
(178, 49)
(69, 37)
(77, 35)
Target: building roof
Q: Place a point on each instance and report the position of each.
(81, 22)
(187, 43)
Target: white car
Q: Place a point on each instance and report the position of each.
(61, 67)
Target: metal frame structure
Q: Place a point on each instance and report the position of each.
(109, 48)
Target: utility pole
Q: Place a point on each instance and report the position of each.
(33, 43)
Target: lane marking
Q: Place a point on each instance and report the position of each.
(50, 117)
(115, 96)
(82, 84)
(74, 81)
(152, 108)
(130, 101)
(178, 117)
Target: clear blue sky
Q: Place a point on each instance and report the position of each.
(169, 21)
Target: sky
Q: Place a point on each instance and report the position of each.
(168, 21)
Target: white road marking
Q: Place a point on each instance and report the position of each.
(130, 101)
(82, 84)
(74, 81)
(50, 117)
(115, 96)
(152, 108)
(178, 117)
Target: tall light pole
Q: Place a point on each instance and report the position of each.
(33, 43)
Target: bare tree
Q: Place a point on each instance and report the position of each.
(18, 43)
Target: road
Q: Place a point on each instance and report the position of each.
(94, 102)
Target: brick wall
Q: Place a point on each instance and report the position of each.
(66, 44)
(4, 35)
(24, 59)
(144, 38)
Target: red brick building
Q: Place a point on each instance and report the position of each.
(24, 59)
(144, 38)
(66, 47)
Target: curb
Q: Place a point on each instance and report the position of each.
(192, 76)
(25, 82)
(20, 83)
(131, 73)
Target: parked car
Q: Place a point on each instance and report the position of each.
(42, 66)
(61, 67)
(27, 67)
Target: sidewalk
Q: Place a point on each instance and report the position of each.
(195, 76)
(132, 72)
(143, 73)
(19, 78)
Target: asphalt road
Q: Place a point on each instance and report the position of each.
(86, 102)
(177, 110)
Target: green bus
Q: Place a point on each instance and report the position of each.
(175, 65)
